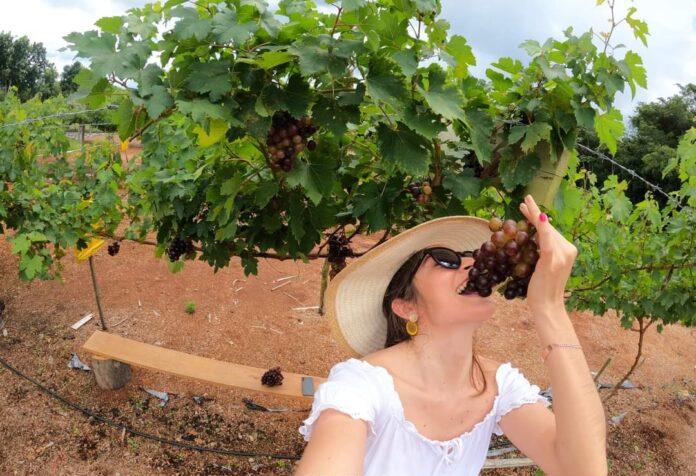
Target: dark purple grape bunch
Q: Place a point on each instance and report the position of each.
(421, 191)
(113, 248)
(509, 257)
(179, 247)
(272, 377)
(287, 138)
(339, 250)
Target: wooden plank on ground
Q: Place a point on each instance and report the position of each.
(138, 354)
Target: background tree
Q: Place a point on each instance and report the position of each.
(67, 78)
(651, 142)
(23, 64)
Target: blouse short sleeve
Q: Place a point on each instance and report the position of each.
(349, 390)
(515, 391)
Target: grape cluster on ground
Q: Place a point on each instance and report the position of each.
(509, 257)
(113, 248)
(272, 377)
(287, 137)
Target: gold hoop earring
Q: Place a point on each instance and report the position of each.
(412, 325)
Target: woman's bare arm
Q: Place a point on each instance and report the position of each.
(337, 446)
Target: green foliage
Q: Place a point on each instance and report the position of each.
(391, 93)
(23, 65)
(637, 258)
(651, 143)
(190, 307)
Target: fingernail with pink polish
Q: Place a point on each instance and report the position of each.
(543, 217)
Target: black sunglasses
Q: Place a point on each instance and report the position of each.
(444, 257)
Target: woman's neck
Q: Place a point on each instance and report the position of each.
(442, 361)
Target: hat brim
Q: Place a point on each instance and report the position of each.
(354, 297)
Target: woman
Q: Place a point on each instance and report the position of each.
(420, 401)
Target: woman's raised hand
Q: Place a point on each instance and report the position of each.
(556, 257)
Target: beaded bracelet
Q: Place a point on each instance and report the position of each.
(545, 353)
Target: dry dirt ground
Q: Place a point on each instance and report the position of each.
(244, 320)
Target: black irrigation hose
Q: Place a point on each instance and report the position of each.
(140, 433)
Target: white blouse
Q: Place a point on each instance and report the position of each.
(394, 445)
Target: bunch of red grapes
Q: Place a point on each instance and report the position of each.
(272, 377)
(288, 137)
(509, 257)
(339, 250)
(113, 248)
(421, 191)
(179, 247)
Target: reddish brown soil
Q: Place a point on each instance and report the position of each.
(244, 320)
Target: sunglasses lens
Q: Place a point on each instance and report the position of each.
(445, 257)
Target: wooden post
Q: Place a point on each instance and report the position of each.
(110, 374)
(81, 134)
(96, 293)
(324, 283)
(545, 184)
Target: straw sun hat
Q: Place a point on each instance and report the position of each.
(354, 297)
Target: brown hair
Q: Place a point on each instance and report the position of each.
(401, 287)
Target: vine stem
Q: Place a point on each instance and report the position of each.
(338, 15)
(643, 328)
(669, 267)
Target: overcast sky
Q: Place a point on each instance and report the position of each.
(494, 28)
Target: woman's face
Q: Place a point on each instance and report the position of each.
(439, 303)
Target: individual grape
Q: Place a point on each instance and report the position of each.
(485, 292)
(522, 270)
(530, 255)
(510, 228)
(510, 293)
(523, 225)
(499, 238)
(488, 248)
(311, 145)
(427, 189)
(511, 248)
(522, 238)
(495, 224)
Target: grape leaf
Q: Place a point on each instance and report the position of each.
(423, 121)
(351, 5)
(214, 135)
(30, 265)
(110, 24)
(532, 133)
(190, 24)
(518, 171)
(316, 175)
(271, 59)
(201, 109)
(609, 128)
(462, 185)
(461, 54)
(297, 96)
(509, 65)
(334, 117)
(444, 100)
(315, 59)
(226, 28)
(265, 192)
(633, 69)
(384, 85)
(158, 101)
(480, 126)
(212, 78)
(408, 62)
(403, 149)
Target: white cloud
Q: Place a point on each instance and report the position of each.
(494, 28)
